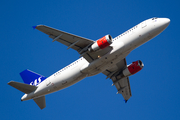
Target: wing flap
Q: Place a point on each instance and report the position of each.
(123, 87)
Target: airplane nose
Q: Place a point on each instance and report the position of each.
(166, 21)
(163, 23)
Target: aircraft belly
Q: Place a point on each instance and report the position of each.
(67, 79)
(105, 63)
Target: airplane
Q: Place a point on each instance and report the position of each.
(106, 55)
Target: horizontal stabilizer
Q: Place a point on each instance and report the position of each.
(40, 101)
(25, 88)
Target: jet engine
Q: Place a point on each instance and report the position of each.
(133, 68)
(101, 43)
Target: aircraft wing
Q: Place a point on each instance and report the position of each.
(75, 42)
(122, 84)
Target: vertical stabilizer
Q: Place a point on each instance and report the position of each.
(31, 78)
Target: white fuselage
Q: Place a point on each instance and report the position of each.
(122, 45)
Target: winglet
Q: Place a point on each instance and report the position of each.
(125, 101)
(34, 27)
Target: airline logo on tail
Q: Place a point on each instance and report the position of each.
(36, 81)
(31, 78)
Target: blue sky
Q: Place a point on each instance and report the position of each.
(155, 89)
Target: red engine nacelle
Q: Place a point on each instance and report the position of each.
(133, 68)
(101, 43)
